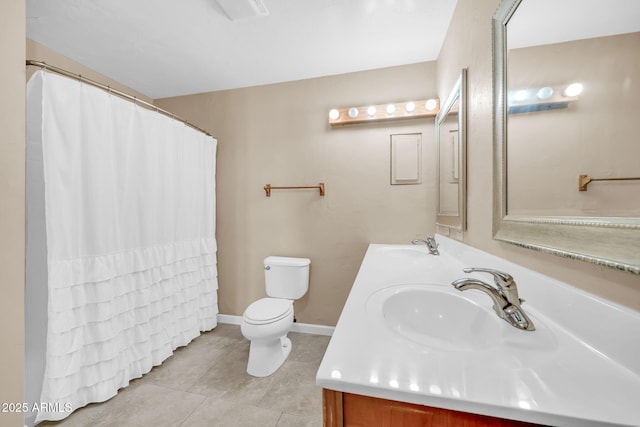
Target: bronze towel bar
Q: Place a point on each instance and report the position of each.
(268, 188)
(584, 180)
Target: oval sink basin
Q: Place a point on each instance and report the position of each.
(435, 316)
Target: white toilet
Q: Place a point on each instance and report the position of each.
(266, 321)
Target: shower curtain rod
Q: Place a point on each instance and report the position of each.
(134, 99)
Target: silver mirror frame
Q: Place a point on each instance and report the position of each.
(458, 93)
(608, 241)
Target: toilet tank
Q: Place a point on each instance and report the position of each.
(286, 277)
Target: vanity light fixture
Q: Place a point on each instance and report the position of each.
(530, 100)
(382, 112)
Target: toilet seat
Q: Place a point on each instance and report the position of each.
(267, 310)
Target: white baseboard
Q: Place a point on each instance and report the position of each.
(229, 319)
(305, 328)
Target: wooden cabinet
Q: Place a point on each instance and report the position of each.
(354, 410)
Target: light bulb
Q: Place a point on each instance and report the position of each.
(371, 111)
(431, 104)
(334, 114)
(521, 95)
(545, 93)
(410, 107)
(353, 112)
(574, 89)
(391, 108)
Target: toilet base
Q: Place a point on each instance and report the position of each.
(266, 356)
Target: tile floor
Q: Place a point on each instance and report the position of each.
(206, 384)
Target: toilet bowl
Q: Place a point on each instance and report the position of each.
(266, 321)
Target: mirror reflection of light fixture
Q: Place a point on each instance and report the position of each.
(545, 93)
(389, 111)
(520, 95)
(574, 89)
(530, 100)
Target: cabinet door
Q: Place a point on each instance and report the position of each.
(363, 411)
(355, 410)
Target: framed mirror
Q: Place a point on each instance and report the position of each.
(566, 130)
(451, 141)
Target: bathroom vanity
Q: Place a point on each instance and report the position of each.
(410, 349)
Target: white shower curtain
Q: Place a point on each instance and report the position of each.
(120, 237)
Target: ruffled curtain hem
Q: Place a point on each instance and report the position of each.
(119, 325)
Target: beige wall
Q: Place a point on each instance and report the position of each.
(12, 170)
(468, 43)
(278, 134)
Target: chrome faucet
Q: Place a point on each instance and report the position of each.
(429, 242)
(506, 302)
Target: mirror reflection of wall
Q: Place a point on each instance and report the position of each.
(598, 134)
(449, 163)
(451, 166)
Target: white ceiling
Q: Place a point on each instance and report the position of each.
(165, 48)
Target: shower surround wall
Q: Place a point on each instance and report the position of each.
(279, 134)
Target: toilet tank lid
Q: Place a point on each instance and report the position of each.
(287, 261)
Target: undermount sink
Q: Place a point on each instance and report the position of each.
(436, 316)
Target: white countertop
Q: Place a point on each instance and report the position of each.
(581, 367)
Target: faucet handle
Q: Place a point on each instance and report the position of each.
(502, 279)
(504, 282)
